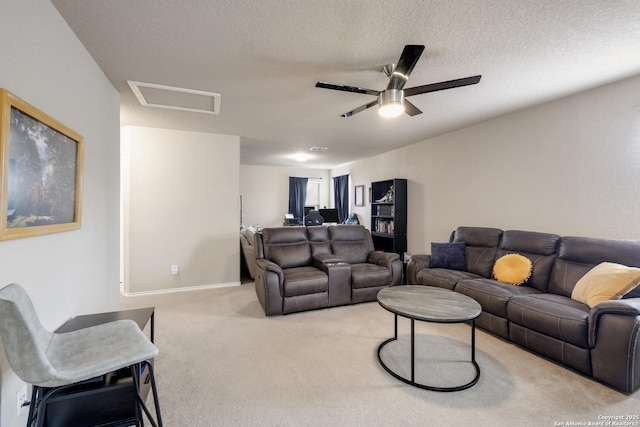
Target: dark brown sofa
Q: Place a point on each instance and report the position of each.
(306, 268)
(602, 342)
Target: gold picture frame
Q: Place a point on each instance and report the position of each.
(41, 171)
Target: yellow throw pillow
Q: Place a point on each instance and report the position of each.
(513, 269)
(604, 282)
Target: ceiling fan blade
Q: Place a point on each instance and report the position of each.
(345, 88)
(434, 87)
(410, 55)
(411, 109)
(359, 109)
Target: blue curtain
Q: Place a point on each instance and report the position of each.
(297, 196)
(341, 196)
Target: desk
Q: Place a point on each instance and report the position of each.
(110, 400)
(141, 316)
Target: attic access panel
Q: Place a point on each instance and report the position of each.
(175, 98)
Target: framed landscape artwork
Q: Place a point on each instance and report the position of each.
(41, 170)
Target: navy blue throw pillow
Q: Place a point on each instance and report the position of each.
(449, 255)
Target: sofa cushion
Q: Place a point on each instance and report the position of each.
(352, 243)
(492, 295)
(530, 242)
(606, 281)
(565, 275)
(443, 278)
(451, 255)
(552, 315)
(303, 281)
(287, 246)
(482, 245)
(319, 240)
(366, 275)
(540, 248)
(512, 269)
(290, 255)
(578, 255)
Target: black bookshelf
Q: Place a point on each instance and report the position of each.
(389, 215)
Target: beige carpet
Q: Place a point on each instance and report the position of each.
(223, 363)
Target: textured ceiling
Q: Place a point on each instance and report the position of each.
(265, 56)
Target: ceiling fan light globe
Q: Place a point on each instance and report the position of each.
(391, 110)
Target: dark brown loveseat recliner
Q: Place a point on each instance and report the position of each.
(306, 268)
(602, 341)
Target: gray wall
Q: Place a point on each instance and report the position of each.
(265, 192)
(180, 207)
(74, 272)
(571, 166)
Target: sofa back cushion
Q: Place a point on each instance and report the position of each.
(287, 246)
(578, 255)
(319, 240)
(351, 243)
(540, 248)
(482, 245)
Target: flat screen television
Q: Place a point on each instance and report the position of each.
(307, 209)
(329, 215)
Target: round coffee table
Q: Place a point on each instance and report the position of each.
(429, 304)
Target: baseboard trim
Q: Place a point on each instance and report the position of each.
(176, 290)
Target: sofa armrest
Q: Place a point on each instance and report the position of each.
(417, 263)
(266, 265)
(389, 260)
(614, 332)
(249, 256)
(319, 261)
(384, 259)
(269, 283)
(339, 274)
(622, 307)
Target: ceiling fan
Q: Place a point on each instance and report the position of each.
(392, 100)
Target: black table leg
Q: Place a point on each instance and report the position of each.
(424, 386)
(413, 353)
(473, 341)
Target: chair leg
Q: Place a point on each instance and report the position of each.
(156, 402)
(136, 382)
(32, 405)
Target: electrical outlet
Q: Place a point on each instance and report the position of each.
(22, 403)
(174, 270)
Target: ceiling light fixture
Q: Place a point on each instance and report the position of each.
(301, 157)
(391, 103)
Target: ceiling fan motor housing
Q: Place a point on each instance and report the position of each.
(391, 96)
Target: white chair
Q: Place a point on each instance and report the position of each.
(53, 362)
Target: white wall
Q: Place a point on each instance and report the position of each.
(265, 192)
(181, 206)
(571, 166)
(75, 272)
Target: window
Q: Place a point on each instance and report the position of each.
(313, 193)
